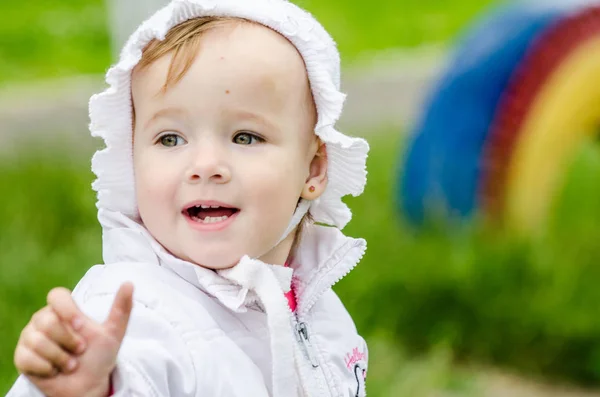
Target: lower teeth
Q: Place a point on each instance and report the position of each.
(210, 219)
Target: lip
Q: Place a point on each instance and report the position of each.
(209, 227)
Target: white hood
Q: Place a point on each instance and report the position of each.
(111, 111)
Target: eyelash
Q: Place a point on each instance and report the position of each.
(159, 141)
(257, 138)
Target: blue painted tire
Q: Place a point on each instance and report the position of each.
(443, 162)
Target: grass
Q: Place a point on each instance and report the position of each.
(425, 300)
(41, 39)
(48, 38)
(47, 238)
(360, 26)
(525, 304)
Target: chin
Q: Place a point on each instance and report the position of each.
(214, 262)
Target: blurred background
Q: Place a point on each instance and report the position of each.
(461, 312)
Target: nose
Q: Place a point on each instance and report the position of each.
(208, 164)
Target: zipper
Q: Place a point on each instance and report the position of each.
(304, 339)
(312, 378)
(334, 273)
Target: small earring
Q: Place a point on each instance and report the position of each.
(311, 189)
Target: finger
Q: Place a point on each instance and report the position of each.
(44, 347)
(29, 363)
(117, 320)
(64, 306)
(48, 322)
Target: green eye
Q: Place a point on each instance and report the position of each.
(245, 138)
(171, 140)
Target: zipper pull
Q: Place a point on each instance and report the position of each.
(303, 338)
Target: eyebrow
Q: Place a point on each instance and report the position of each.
(247, 115)
(241, 114)
(166, 112)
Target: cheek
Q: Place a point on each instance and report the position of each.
(276, 189)
(153, 185)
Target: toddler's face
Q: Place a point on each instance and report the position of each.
(222, 157)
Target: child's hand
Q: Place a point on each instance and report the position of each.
(64, 353)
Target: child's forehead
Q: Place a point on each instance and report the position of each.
(253, 45)
(256, 51)
(257, 42)
(248, 55)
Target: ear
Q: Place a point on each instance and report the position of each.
(317, 178)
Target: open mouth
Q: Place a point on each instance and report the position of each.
(209, 213)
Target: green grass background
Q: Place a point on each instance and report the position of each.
(42, 39)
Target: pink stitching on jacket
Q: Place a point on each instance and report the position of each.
(353, 358)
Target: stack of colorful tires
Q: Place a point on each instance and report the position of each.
(519, 95)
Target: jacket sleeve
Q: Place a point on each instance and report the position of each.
(153, 359)
(23, 388)
(156, 358)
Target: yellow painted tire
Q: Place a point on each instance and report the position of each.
(551, 106)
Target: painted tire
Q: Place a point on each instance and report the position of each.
(488, 140)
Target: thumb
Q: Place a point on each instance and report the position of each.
(118, 318)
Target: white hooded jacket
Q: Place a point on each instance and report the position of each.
(197, 332)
